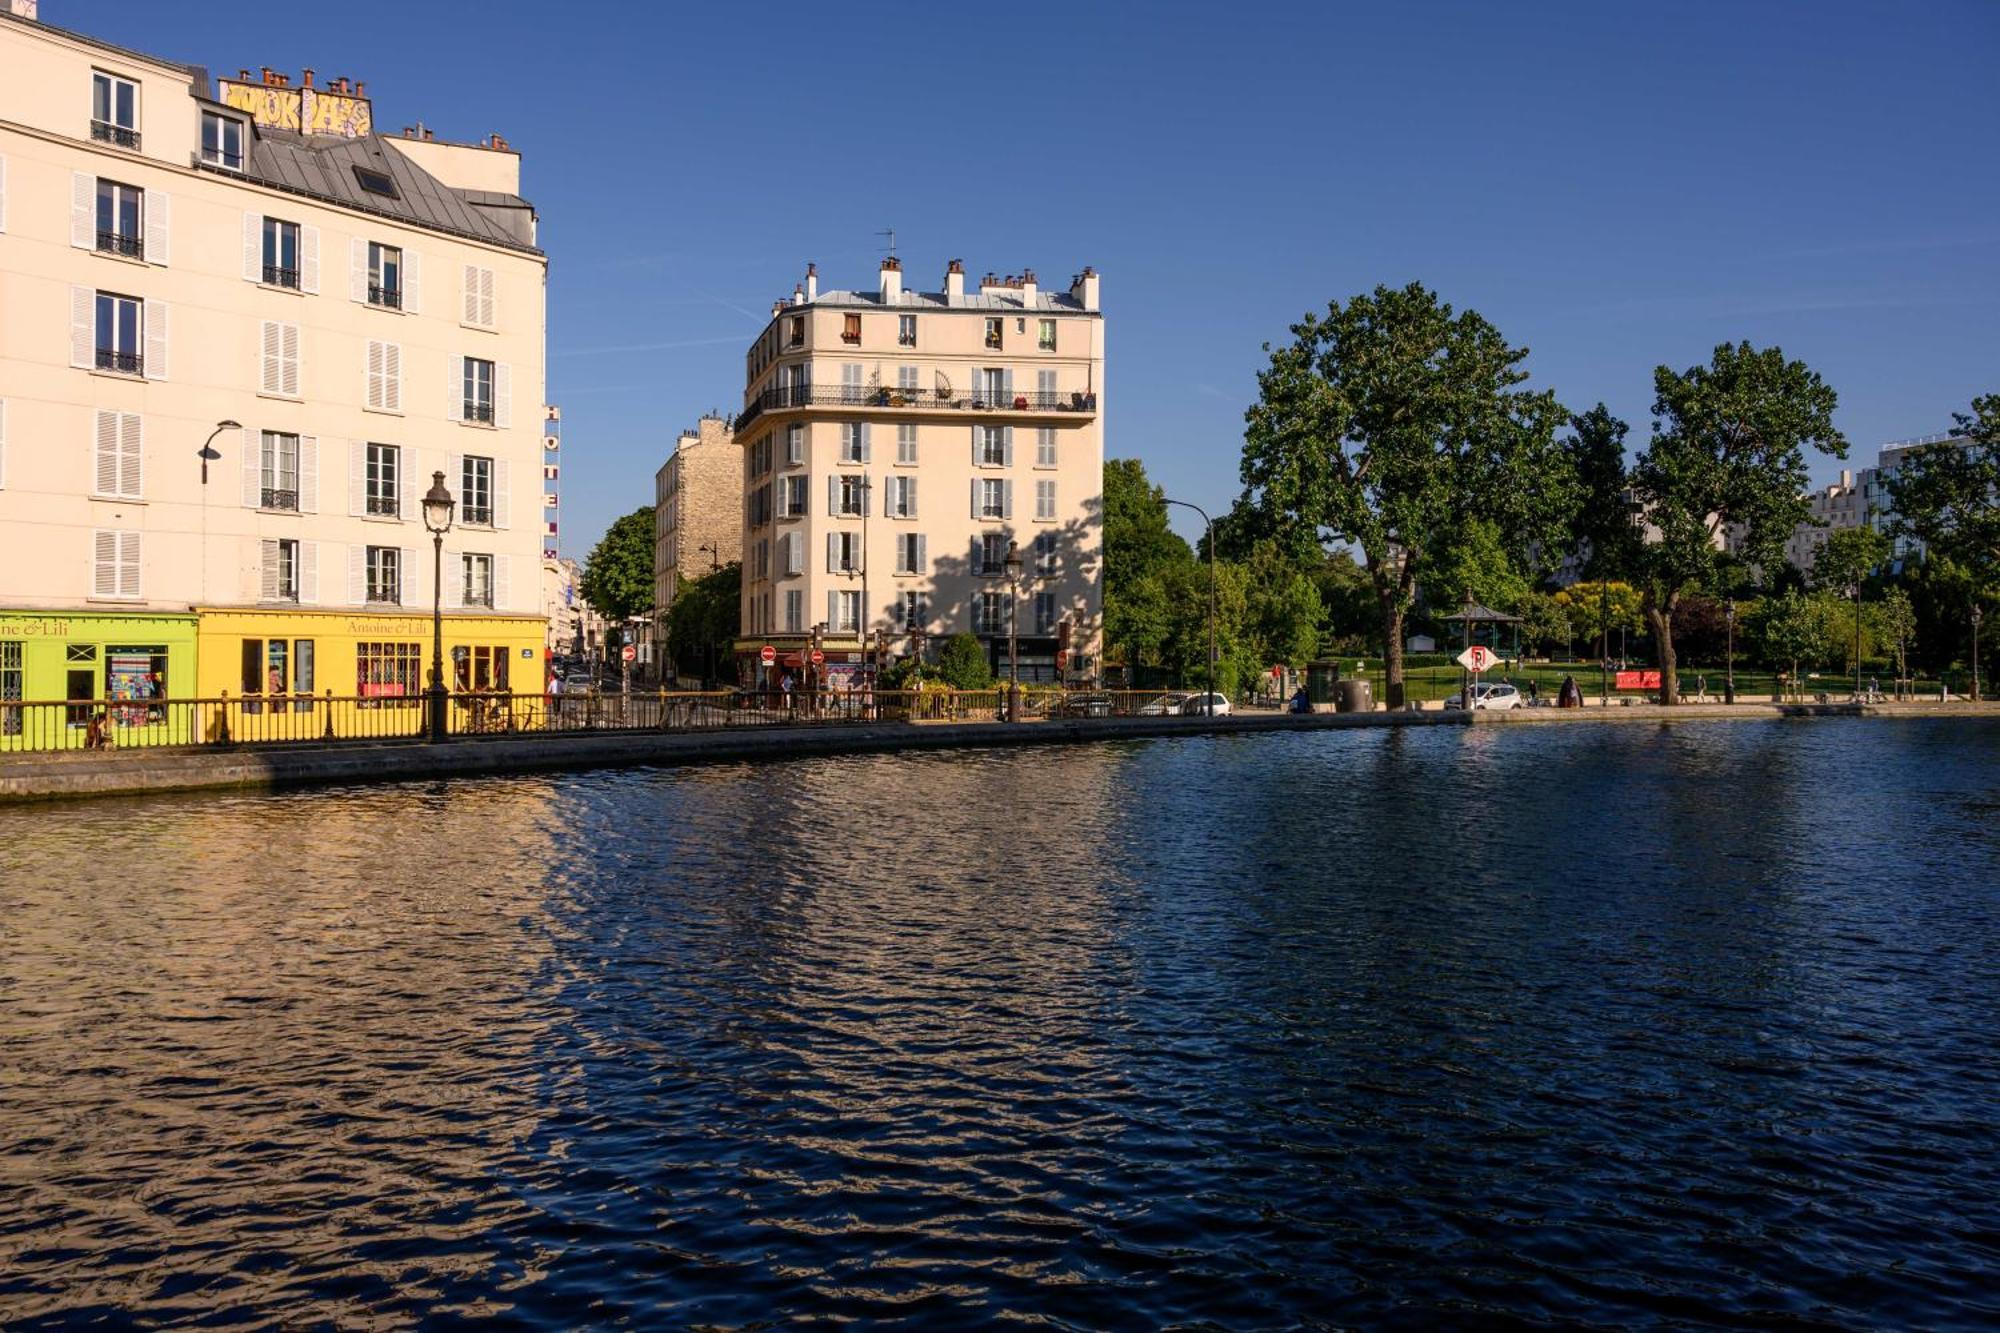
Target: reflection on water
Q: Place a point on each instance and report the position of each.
(1441, 1026)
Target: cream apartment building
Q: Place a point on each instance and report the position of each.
(895, 442)
(240, 330)
(697, 512)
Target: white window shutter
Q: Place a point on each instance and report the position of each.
(3, 194)
(832, 494)
(489, 308)
(269, 345)
(975, 497)
(833, 553)
(411, 483)
(1007, 388)
(131, 456)
(832, 609)
(357, 575)
(1007, 443)
(1007, 498)
(923, 555)
(253, 468)
(451, 583)
(357, 270)
(308, 572)
(156, 340)
(392, 376)
(309, 260)
(82, 327)
(503, 395)
(293, 379)
(412, 283)
(128, 564)
(105, 455)
(501, 495)
(406, 574)
(308, 474)
(867, 445)
(3, 442)
(975, 453)
(268, 567)
(372, 374)
(454, 401)
(470, 313)
(83, 210)
(104, 575)
(253, 247)
(159, 227)
(502, 593)
(357, 478)
(910, 496)
(867, 497)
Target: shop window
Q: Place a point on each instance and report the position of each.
(13, 681)
(386, 674)
(135, 680)
(479, 668)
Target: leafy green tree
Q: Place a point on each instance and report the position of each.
(1728, 449)
(1846, 556)
(1947, 495)
(1138, 547)
(1389, 422)
(1894, 619)
(1599, 608)
(1473, 562)
(1185, 649)
(963, 664)
(618, 577)
(1351, 622)
(1602, 531)
(1544, 622)
(1794, 633)
(1282, 608)
(702, 622)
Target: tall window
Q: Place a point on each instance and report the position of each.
(1045, 500)
(795, 331)
(900, 500)
(909, 553)
(1045, 446)
(792, 497)
(385, 276)
(388, 670)
(843, 552)
(992, 498)
(285, 574)
(384, 481)
(906, 380)
(118, 210)
(281, 253)
(852, 496)
(475, 491)
(993, 553)
(1045, 553)
(478, 390)
(385, 575)
(846, 612)
(1045, 388)
(477, 571)
(1045, 613)
(119, 330)
(852, 434)
(911, 610)
(795, 610)
(795, 444)
(222, 141)
(906, 443)
(993, 446)
(13, 683)
(990, 613)
(906, 330)
(991, 382)
(1045, 335)
(114, 110)
(850, 329)
(993, 328)
(280, 470)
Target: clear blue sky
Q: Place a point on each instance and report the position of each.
(1614, 185)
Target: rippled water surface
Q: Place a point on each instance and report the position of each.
(1615, 1025)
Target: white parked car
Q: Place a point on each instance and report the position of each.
(1196, 705)
(1164, 706)
(1493, 696)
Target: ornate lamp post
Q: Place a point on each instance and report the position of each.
(1729, 668)
(1977, 616)
(1011, 566)
(438, 505)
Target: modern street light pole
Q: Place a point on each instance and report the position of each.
(1977, 616)
(208, 454)
(438, 505)
(1854, 591)
(1603, 643)
(1011, 566)
(1729, 677)
(1208, 700)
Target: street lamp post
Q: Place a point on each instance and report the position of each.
(438, 505)
(1603, 643)
(1977, 616)
(1208, 700)
(1729, 667)
(1011, 566)
(1854, 591)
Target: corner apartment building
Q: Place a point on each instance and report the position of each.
(1858, 499)
(242, 329)
(697, 512)
(895, 442)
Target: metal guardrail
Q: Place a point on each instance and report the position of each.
(299, 719)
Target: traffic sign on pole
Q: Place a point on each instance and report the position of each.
(818, 657)
(1477, 658)
(767, 654)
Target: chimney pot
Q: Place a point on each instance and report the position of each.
(954, 282)
(360, 90)
(243, 76)
(306, 78)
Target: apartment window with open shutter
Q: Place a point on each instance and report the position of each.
(476, 491)
(384, 566)
(120, 334)
(280, 471)
(384, 481)
(119, 455)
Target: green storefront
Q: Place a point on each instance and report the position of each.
(59, 670)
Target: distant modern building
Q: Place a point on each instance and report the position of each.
(894, 443)
(697, 512)
(1857, 499)
(230, 307)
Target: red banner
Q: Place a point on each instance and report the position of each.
(1638, 680)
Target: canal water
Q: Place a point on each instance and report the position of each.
(1430, 1027)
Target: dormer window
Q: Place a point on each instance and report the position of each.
(221, 141)
(850, 329)
(114, 110)
(375, 182)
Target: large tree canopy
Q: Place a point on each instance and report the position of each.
(1390, 422)
(1139, 550)
(1602, 533)
(1947, 495)
(1728, 451)
(618, 577)
(703, 621)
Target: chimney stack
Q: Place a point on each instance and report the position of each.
(954, 282)
(1084, 288)
(21, 9)
(305, 78)
(1028, 289)
(798, 293)
(812, 282)
(892, 281)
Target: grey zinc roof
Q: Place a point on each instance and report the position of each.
(1044, 300)
(323, 166)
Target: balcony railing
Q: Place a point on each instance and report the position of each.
(382, 506)
(105, 132)
(390, 298)
(274, 276)
(933, 400)
(118, 243)
(125, 363)
(381, 596)
(278, 499)
(476, 516)
(481, 412)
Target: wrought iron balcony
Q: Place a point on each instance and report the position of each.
(476, 516)
(383, 506)
(118, 243)
(125, 363)
(275, 276)
(384, 596)
(277, 499)
(480, 412)
(875, 398)
(105, 132)
(390, 298)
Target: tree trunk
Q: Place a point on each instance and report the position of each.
(1392, 654)
(1662, 621)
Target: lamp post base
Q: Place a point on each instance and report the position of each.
(436, 701)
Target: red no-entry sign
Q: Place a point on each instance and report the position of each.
(767, 654)
(818, 657)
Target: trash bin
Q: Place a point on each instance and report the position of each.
(1353, 696)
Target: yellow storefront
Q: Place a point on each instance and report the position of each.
(374, 665)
